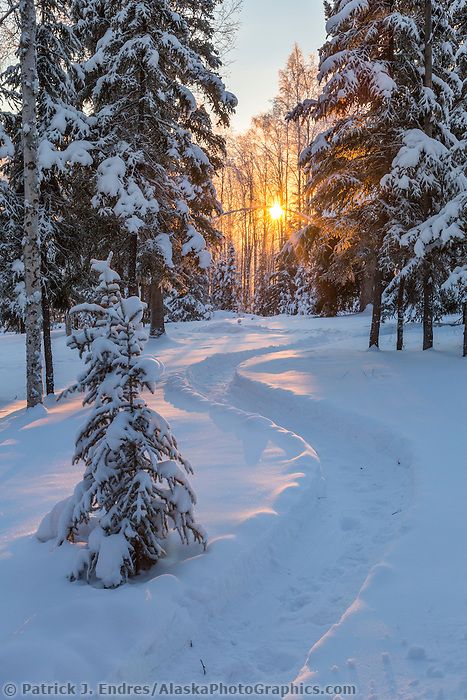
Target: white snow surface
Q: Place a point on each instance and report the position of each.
(331, 481)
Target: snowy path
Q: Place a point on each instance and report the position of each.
(314, 566)
(298, 400)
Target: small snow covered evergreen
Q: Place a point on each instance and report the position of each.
(261, 293)
(304, 292)
(225, 283)
(135, 487)
(188, 300)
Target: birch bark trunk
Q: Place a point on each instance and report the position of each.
(31, 242)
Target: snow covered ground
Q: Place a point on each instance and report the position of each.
(332, 483)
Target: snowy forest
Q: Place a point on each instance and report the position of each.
(234, 392)
(349, 191)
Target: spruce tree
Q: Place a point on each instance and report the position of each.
(304, 292)
(457, 282)
(225, 292)
(426, 185)
(135, 481)
(61, 132)
(281, 293)
(261, 292)
(188, 300)
(347, 160)
(154, 91)
(388, 166)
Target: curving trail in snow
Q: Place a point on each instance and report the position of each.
(305, 574)
(317, 471)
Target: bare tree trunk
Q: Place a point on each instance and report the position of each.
(47, 339)
(31, 243)
(400, 315)
(464, 307)
(366, 285)
(376, 317)
(427, 270)
(68, 324)
(132, 258)
(146, 297)
(157, 311)
(428, 54)
(427, 306)
(133, 242)
(378, 275)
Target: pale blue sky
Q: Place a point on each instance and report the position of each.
(267, 33)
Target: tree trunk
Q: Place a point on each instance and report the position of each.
(428, 54)
(376, 317)
(133, 242)
(427, 306)
(146, 297)
(157, 311)
(367, 280)
(68, 325)
(464, 306)
(132, 258)
(427, 268)
(31, 243)
(400, 315)
(47, 339)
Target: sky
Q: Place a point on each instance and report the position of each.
(268, 31)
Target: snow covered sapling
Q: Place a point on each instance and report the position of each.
(135, 480)
(304, 294)
(225, 291)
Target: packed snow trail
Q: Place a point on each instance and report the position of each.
(315, 563)
(288, 557)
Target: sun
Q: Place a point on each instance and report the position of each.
(276, 212)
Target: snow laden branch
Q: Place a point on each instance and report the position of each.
(135, 488)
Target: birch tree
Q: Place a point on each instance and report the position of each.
(31, 243)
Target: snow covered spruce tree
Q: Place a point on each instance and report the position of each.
(427, 182)
(390, 159)
(12, 293)
(347, 160)
(281, 291)
(157, 148)
(261, 293)
(135, 481)
(304, 291)
(60, 128)
(225, 287)
(457, 282)
(188, 300)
